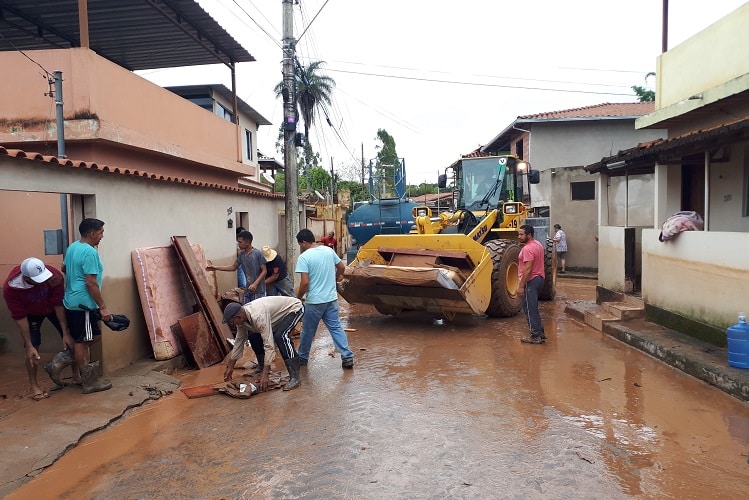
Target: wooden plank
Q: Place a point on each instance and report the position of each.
(199, 391)
(202, 290)
(203, 346)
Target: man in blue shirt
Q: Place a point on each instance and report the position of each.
(319, 268)
(84, 304)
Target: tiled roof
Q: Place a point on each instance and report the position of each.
(54, 161)
(426, 198)
(599, 110)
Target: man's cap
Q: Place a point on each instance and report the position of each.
(231, 311)
(35, 269)
(269, 253)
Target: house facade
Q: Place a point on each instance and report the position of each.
(559, 144)
(148, 162)
(695, 282)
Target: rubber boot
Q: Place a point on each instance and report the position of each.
(91, 380)
(62, 360)
(292, 365)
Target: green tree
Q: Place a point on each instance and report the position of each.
(387, 163)
(358, 192)
(422, 189)
(313, 92)
(320, 179)
(644, 94)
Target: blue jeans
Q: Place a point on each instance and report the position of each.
(328, 312)
(530, 306)
(280, 287)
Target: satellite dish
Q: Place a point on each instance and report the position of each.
(268, 177)
(322, 198)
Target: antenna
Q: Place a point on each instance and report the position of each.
(268, 177)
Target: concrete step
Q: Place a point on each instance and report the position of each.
(625, 310)
(597, 317)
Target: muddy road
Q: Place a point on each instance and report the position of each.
(459, 410)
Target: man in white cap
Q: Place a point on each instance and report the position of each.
(273, 318)
(33, 293)
(277, 281)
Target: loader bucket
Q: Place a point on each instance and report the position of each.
(443, 274)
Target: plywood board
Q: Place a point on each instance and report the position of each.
(201, 288)
(203, 346)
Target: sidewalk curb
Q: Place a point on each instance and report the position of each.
(692, 356)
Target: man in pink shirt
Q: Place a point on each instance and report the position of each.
(532, 276)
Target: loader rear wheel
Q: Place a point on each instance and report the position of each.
(549, 290)
(504, 300)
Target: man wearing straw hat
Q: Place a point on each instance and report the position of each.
(277, 281)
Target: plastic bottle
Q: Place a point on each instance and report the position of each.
(738, 343)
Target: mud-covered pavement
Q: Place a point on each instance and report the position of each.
(431, 411)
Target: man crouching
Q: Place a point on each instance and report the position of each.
(273, 319)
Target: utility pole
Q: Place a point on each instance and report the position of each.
(289, 134)
(56, 93)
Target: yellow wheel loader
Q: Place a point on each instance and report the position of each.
(464, 261)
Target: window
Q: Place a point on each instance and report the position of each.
(519, 149)
(224, 113)
(248, 142)
(583, 190)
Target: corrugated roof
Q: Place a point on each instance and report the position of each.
(54, 161)
(622, 109)
(135, 34)
(647, 154)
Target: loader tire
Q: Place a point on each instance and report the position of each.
(504, 301)
(549, 290)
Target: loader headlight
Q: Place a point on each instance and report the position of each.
(511, 209)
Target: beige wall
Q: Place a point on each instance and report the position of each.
(707, 60)
(630, 200)
(578, 218)
(130, 110)
(139, 213)
(728, 191)
(700, 275)
(611, 258)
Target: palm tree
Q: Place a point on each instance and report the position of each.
(313, 91)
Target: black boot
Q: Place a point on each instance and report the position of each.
(91, 380)
(292, 365)
(62, 360)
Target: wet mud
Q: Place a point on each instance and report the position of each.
(461, 410)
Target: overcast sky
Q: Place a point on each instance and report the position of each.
(445, 77)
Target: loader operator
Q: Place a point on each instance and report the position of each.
(483, 181)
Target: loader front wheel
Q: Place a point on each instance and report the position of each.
(549, 290)
(504, 300)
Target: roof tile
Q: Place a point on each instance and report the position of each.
(599, 110)
(67, 162)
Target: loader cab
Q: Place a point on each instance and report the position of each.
(482, 184)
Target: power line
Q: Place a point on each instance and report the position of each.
(313, 20)
(475, 84)
(484, 76)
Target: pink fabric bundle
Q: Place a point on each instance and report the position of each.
(681, 221)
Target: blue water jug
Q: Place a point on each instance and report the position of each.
(738, 343)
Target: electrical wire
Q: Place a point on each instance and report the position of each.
(476, 84)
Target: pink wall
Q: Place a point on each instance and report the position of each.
(131, 111)
(25, 216)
